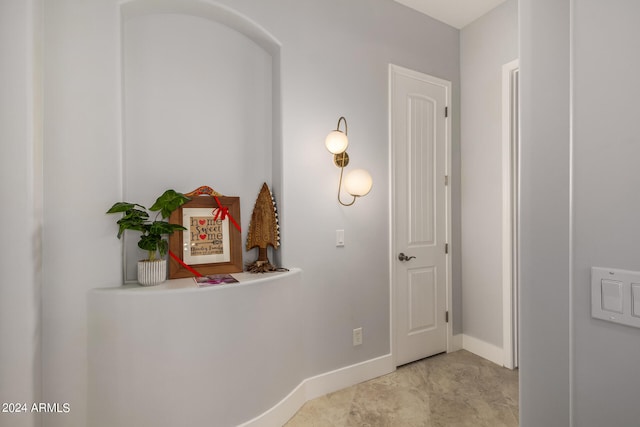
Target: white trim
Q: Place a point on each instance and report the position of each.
(509, 333)
(448, 217)
(348, 376)
(396, 69)
(320, 385)
(392, 244)
(572, 52)
(483, 349)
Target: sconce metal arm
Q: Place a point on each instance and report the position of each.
(340, 188)
(346, 128)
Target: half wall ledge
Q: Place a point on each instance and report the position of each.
(175, 354)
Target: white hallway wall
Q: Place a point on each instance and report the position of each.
(334, 62)
(606, 174)
(580, 181)
(20, 189)
(485, 45)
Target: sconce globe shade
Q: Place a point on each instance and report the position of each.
(358, 182)
(336, 142)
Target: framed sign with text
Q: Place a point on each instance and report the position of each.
(211, 242)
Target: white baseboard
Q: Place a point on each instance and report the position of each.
(279, 414)
(320, 385)
(483, 349)
(338, 379)
(348, 376)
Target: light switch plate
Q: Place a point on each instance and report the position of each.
(635, 299)
(339, 238)
(614, 295)
(611, 295)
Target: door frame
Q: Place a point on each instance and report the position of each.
(396, 70)
(510, 212)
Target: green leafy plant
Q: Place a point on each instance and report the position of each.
(136, 218)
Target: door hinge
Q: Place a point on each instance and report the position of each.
(446, 248)
(446, 180)
(446, 111)
(446, 316)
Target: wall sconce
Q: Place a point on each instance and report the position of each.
(358, 182)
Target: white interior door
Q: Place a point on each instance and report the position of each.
(419, 141)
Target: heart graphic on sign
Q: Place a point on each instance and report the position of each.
(202, 221)
(203, 236)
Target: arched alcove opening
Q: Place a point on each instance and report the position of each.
(201, 105)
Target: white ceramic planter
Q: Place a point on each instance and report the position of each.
(152, 273)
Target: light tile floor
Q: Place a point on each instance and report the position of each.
(447, 390)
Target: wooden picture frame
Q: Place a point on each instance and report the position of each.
(209, 245)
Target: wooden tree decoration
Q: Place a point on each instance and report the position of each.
(263, 231)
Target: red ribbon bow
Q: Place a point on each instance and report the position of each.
(223, 213)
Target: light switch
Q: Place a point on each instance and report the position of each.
(611, 295)
(339, 238)
(635, 299)
(615, 295)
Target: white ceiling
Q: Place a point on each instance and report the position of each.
(456, 13)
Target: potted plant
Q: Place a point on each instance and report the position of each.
(153, 270)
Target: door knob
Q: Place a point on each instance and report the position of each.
(403, 257)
